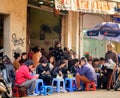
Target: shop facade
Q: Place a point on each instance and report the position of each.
(91, 13)
(17, 31)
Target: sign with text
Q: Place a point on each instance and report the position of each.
(94, 6)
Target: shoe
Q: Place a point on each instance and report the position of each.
(108, 89)
(79, 89)
(64, 91)
(61, 87)
(54, 87)
(33, 94)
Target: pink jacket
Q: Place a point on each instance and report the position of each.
(23, 74)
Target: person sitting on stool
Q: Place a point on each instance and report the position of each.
(85, 73)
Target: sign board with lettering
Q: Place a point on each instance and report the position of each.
(94, 6)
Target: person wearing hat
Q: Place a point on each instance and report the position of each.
(23, 77)
(85, 73)
(111, 56)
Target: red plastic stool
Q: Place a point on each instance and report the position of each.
(90, 86)
(15, 92)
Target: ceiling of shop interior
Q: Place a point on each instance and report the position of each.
(49, 3)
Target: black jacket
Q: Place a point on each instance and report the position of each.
(41, 68)
(58, 54)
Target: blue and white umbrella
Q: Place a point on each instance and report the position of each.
(105, 30)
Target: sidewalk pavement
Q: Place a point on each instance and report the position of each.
(83, 94)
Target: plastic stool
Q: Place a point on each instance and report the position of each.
(71, 84)
(37, 88)
(90, 86)
(58, 87)
(46, 90)
(15, 91)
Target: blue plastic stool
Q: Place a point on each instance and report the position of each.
(38, 87)
(58, 87)
(46, 90)
(71, 84)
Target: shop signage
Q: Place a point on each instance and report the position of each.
(94, 6)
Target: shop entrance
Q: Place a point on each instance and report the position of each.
(44, 27)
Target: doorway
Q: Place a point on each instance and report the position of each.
(44, 28)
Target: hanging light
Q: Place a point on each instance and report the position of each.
(52, 1)
(41, 2)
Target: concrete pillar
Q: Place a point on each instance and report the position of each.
(75, 33)
(70, 31)
(69, 40)
(67, 30)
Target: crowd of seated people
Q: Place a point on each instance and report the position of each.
(28, 67)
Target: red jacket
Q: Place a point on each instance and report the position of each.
(23, 74)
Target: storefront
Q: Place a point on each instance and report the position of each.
(21, 31)
(62, 25)
(45, 25)
(91, 13)
(93, 47)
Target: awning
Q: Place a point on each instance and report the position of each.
(94, 6)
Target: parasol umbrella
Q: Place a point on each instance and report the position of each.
(105, 30)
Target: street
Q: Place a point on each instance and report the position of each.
(84, 94)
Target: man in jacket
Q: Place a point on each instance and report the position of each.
(85, 73)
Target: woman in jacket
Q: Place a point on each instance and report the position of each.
(24, 78)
